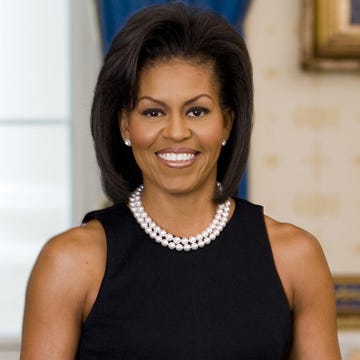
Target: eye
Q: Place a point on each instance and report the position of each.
(153, 112)
(197, 112)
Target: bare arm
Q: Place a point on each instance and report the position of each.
(60, 294)
(307, 280)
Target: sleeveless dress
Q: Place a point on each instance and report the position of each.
(224, 301)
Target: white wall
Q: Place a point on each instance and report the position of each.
(305, 158)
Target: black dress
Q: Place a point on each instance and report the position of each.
(224, 301)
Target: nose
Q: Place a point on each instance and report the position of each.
(176, 128)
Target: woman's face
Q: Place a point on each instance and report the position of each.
(177, 126)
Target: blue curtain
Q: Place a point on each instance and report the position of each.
(113, 14)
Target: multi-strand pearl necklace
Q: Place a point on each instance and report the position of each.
(174, 242)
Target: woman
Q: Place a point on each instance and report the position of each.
(178, 268)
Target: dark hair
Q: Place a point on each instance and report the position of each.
(163, 32)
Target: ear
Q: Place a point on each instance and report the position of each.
(123, 119)
(228, 116)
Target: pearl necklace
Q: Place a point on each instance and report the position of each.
(174, 242)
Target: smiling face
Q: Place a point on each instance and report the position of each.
(177, 126)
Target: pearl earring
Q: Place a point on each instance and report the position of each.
(127, 142)
(223, 143)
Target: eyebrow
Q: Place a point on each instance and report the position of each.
(188, 102)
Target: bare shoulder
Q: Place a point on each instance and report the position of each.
(70, 267)
(72, 251)
(285, 231)
(298, 256)
(61, 290)
(308, 284)
(291, 239)
(77, 247)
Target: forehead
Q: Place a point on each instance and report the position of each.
(177, 73)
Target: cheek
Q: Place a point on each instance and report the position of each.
(212, 136)
(212, 140)
(142, 136)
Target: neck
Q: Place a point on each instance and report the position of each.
(181, 214)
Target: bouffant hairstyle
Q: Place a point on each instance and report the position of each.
(162, 32)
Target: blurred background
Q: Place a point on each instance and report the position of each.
(304, 165)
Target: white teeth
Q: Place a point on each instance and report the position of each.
(176, 157)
